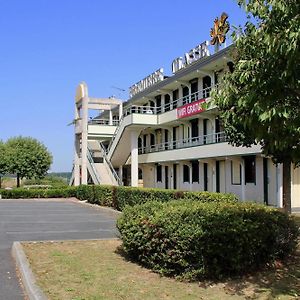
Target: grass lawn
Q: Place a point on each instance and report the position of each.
(94, 270)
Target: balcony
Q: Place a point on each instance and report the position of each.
(202, 94)
(212, 138)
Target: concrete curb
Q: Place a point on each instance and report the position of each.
(31, 289)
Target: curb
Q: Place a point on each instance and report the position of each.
(31, 289)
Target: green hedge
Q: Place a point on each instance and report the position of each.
(119, 197)
(193, 240)
(18, 193)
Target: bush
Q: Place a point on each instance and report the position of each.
(194, 240)
(51, 181)
(20, 193)
(119, 197)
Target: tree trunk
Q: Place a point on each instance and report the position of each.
(18, 180)
(286, 186)
(0, 182)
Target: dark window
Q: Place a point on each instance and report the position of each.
(195, 171)
(185, 94)
(194, 89)
(166, 139)
(206, 86)
(152, 139)
(186, 173)
(250, 169)
(175, 98)
(205, 176)
(167, 102)
(195, 128)
(158, 173)
(158, 103)
(140, 174)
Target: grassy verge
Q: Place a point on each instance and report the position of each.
(95, 270)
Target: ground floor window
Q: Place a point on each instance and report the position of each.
(195, 171)
(158, 173)
(250, 169)
(236, 173)
(186, 173)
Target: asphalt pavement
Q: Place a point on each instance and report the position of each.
(40, 220)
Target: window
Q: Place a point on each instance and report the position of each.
(186, 173)
(167, 102)
(250, 169)
(158, 103)
(185, 94)
(236, 173)
(195, 171)
(158, 173)
(175, 98)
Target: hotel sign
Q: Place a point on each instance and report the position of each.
(193, 55)
(190, 109)
(146, 82)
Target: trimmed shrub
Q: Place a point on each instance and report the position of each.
(198, 240)
(20, 193)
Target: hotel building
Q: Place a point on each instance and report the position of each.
(168, 135)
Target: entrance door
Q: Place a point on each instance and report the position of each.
(174, 176)
(166, 177)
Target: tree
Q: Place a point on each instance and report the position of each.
(260, 99)
(3, 161)
(28, 158)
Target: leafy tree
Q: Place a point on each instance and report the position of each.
(3, 161)
(28, 158)
(260, 99)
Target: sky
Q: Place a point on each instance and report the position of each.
(49, 46)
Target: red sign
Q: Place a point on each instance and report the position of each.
(190, 109)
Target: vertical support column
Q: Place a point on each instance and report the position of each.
(279, 185)
(120, 111)
(110, 117)
(191, 177)
(84, 144)
(121, 173)
(76, 162)
(243, 179)
(213, 175)
(134, 158)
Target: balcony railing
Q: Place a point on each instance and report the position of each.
(103, 122)
(212, 138)
(202, 94)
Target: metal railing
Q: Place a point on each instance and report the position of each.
(107, 161)
(201, 94)
(91, 161)
(103, 122)
(212, 138)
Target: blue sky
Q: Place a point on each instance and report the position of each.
(49, 46)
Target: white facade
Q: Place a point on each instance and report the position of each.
(169, 136)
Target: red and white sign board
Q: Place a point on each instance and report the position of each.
(190, 109)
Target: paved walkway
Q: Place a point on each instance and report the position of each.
(36, 220)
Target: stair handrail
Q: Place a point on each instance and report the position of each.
(114, 135)
(108, 162)
(91, 161)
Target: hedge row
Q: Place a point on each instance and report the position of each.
(119, 197)
(195, 240)
(116, 197)
(19, 193)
